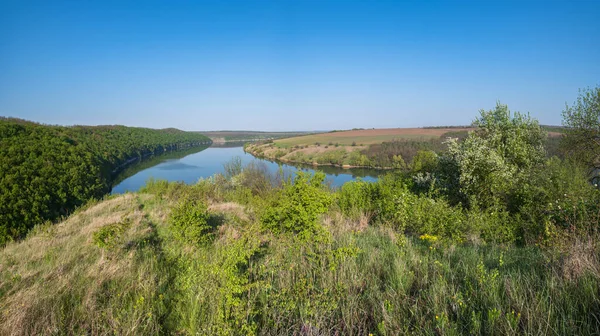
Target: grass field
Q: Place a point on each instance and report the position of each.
(367, 137)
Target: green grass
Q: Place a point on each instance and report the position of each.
(118, 267)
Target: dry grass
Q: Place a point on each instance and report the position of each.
(337, 223)
(581, 256)
(61, 271)
(232, 208)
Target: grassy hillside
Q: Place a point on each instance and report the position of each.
(227, 257)
(47, 171)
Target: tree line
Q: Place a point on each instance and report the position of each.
(46, 171)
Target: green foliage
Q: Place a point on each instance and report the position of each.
(517, 138)
(491, 161)
(332, 157)
(388, 154)
(299, 206)
(233, 167)
(107, 236)
(390, 202)
(424, 161)
(558, 195)
(353, 198)
(48, 171)
(582, 121)
(213, 287)
(420, 266)
(189, 222)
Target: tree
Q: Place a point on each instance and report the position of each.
(582, 140)
(495, 157)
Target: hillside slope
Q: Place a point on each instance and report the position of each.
(207, 259)
(47, 171)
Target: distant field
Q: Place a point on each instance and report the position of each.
(227, 136)
(368, 137)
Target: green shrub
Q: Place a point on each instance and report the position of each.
(558, 194)
(424, 161)
(299, 206)
(233, 167)
(189, 222)
(107, 235)
(425, 215)
(353, 198)
(495, 224)
(214, 287)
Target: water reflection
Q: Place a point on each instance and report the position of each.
(191, 165)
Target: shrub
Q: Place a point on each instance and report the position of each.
(559, 194)
(233, 167)
(189, 222)
(164, 188)
(107, 235)
(299, 206)
(391, 203)
(425, 215)
(496, 157)
(424, 161)
(353, 198)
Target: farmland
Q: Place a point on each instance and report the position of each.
(373, 148)
(367, 136)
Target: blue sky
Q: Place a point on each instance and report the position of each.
(293, 65)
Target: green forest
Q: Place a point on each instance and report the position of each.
(47, 171)
(490, 237)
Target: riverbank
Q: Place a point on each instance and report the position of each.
(345, 157)
(382, 149)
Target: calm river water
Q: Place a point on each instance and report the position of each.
(210, 161)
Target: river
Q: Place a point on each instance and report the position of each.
(191, 166)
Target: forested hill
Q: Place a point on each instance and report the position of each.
(46, 171)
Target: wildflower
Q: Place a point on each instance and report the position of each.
(428, 237)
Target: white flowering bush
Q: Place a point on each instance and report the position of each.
(494, 158)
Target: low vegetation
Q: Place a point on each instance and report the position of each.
(489, 237)
(47, 171)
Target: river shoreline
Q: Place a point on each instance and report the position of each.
(247, 149)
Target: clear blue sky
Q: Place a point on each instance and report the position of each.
(293, 65)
